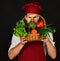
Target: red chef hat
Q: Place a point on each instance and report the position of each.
(32, 7)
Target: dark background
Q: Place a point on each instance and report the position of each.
(10, 12)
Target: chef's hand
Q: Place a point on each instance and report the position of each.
(46, 39)
(23, 41)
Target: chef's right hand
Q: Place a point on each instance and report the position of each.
(23, 41)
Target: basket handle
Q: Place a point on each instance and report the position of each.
(43, 19)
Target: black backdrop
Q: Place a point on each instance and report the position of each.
(10, 12)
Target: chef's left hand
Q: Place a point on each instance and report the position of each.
(46, 39)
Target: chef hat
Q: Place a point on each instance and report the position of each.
(32, 7)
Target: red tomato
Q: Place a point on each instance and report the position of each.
(40, 24)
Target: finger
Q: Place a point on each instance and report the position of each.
(25, 42)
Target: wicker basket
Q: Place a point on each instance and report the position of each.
(35, 37)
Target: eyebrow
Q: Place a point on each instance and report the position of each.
(29, 17)
(35, 16)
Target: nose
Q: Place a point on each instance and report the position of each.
(32, 19)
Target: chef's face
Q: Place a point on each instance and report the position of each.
(31, 17)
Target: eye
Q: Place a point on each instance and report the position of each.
(29, 17)
(35, 16)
